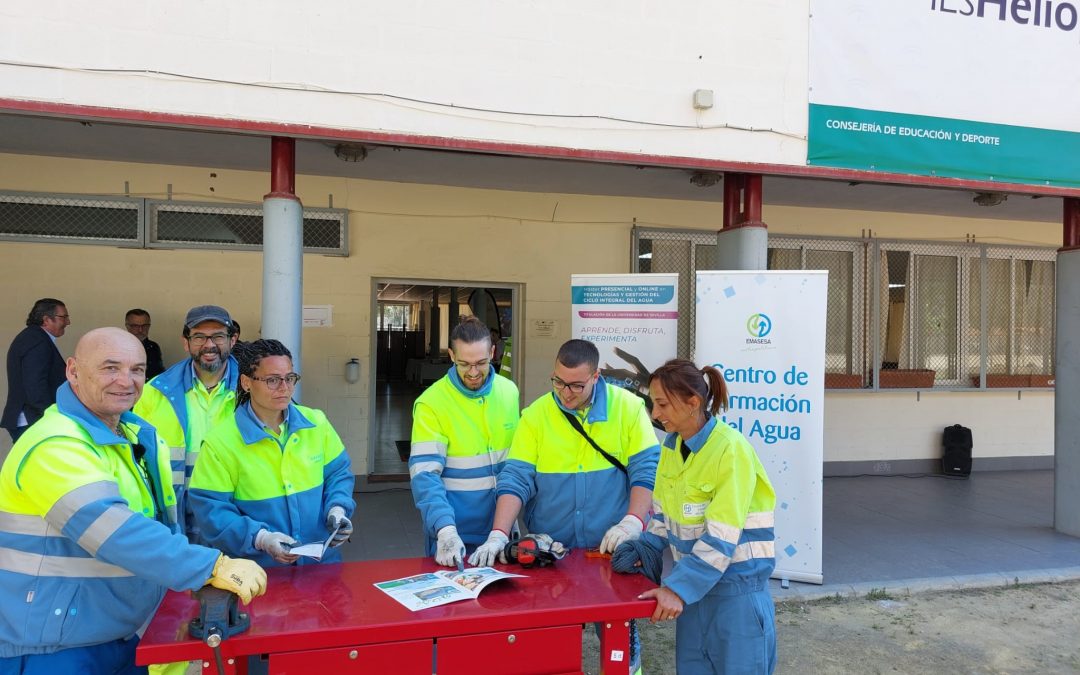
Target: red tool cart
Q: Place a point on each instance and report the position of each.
(331, 619)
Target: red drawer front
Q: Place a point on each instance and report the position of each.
(400, 658)
(536, 651)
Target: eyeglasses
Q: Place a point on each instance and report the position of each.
(62, 317)
(275, 381)
(198, 339)
(479, 365)
(137, 325)
(576, 387)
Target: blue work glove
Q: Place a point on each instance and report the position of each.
(450, 550)
(336, 520)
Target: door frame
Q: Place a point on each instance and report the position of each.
(516, 323)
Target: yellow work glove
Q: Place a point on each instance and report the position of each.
(243, 577)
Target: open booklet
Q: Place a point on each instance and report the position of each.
(432, 589)
(314, 550)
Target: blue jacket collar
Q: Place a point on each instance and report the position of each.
(697, 441)
(178, 380)
(484, 390)
(69, 405)
(597, 404)
(251, 427)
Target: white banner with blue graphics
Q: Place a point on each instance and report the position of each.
(632, 318)
(765, 332)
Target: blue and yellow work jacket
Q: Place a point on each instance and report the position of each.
(248, 479)
(460, 439)
(88, 535)
(569, 490)
(165, 403)
(715, 511)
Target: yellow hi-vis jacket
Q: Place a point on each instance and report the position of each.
(460, 439)
(715, 510)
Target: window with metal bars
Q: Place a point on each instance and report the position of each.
(146, 223)
(902, 314)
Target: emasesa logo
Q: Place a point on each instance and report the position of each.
(759, 326)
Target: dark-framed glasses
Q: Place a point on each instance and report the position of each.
(575, 387)
(198, 339)
(275, 381)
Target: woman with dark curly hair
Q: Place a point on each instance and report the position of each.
(277, 474)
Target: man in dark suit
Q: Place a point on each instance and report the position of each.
(34, 366)
(137, 322)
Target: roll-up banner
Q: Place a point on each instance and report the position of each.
(632, 318)
(765, 332)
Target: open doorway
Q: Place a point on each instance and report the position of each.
(411, 323)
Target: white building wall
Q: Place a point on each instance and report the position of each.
(557, 70)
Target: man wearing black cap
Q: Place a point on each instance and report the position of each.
(193, 396)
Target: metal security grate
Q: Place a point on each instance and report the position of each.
(68, 219)
(193, 225)
(683, 252)
(901, 314)
(847, 342)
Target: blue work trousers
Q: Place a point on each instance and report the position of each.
(732, 630)
(109, 658)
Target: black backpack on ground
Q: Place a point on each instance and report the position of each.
(956, 451)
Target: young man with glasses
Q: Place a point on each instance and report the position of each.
(34, 366)
(570, 490)
(191, 397)
(462, 427)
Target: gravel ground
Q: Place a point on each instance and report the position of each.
(1009, 629)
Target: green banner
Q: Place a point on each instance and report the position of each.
(873, 140)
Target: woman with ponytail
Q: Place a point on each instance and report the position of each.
(713, 505)
(277, 473)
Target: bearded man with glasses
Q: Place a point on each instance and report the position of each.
(582, 464)
(193, 396)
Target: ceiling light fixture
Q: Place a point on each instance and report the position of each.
(705, 179)
(989, 198)
(351, 152)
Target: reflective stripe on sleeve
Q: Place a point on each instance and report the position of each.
(754, 549)
(759, 519)
(103, 527)
(18, 523)
(33, 564)
(428, 448)
(65, 507)
(463, 484)
(724, 531)
(422, 467)
(476, 461)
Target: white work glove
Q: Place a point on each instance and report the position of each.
(450, 550)
(490, 550)
(334, 519)
(276, 545)
(627, 529)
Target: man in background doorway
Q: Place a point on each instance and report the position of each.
(462, 428)
(34, 366)
(137, 322)
(193, 396)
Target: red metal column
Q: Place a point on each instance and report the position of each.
(282, 168)
(614, 647)
(1071, 220)
(742, 200)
